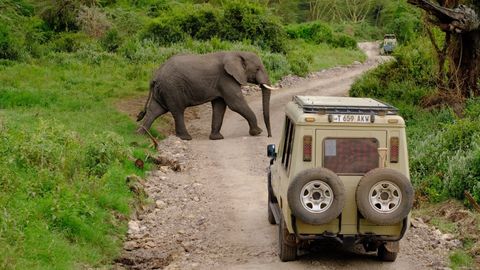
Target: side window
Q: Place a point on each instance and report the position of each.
(288, 143)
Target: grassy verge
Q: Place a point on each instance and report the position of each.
(452, 217)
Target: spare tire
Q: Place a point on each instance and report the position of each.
(384, 196)
(316, 196)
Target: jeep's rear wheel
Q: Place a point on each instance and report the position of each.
(384, 196)
(287, 243)
(385, 255)
(316, 196)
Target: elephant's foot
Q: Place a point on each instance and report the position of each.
(185, 137)
(216, 136)
(255, 131)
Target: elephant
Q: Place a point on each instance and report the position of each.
(188, 80)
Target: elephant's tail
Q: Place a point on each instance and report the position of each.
(144, 111)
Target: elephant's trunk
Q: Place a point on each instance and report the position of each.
(266, 108)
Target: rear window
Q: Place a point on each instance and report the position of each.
(350, 155)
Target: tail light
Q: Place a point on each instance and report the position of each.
(307, 148)
(394, 144)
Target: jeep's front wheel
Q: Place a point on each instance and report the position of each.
(271, 199)
(384, 196)
(316, 196)
(287, 243)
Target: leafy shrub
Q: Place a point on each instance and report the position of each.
(362, 31)
(276, 64)
(92, 21)
(408, 79)
(344, 41)
(127, 22)
(238, 21)
(401, 19)
(69, 42)
(112, 40)
(202, 24)
(249, 21)
(316, 32)
(163, 32)
(9, 46)
(300, 62)
(158, 7)
(62, 15)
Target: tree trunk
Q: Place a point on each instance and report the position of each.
(461, 25)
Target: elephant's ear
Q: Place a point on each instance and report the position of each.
(234, 65)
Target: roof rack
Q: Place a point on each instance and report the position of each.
(343, 105)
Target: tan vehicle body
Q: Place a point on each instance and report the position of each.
(320, 127)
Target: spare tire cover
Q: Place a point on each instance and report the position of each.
(384, 196)
(316, 196)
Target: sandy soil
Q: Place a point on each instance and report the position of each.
(213, 213)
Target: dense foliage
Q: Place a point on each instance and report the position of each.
(444, 148)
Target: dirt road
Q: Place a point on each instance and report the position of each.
(213, 213)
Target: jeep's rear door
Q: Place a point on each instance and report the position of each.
(349, 153)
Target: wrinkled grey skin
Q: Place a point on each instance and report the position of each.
(189, 80)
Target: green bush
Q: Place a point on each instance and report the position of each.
(69, 42)
(112, 40)
(300, 62)
(409, 79)
(444, 151)
(316, 32)
(344, 41)
(163, 32)
(9, 45)
(401, 19)
(201, 24)
(61, 15)
(249, 21)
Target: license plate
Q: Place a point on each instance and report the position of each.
(350, 118)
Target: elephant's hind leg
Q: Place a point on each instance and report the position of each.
(154, 110)
(218, 111)
(180, 128)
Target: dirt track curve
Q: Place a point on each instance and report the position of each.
(213, 215)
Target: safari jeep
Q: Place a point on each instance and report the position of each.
(389, 44)
(340, 173)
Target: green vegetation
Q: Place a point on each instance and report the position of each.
(444, 148)
(461, 260)
(443, 142)
(65, 149)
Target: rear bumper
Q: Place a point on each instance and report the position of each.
(358, 237)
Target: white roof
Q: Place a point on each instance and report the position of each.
(317, 104)
(340, 102)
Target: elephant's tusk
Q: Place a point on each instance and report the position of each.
(270, 87)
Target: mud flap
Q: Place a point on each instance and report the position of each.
(393, 246)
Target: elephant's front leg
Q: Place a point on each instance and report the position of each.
(218, 111)
(237, 103)
(180, 128)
